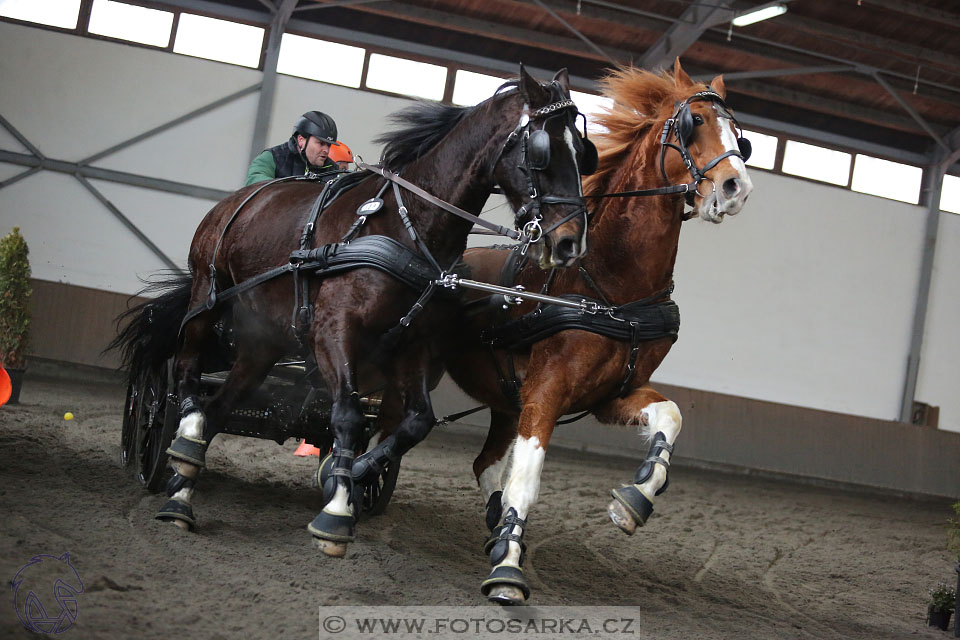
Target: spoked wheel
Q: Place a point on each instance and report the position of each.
(129, 425)
(155, 425)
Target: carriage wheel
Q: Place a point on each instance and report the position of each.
(156, 423)
(127, 439)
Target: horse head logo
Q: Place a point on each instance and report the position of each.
(36, 579)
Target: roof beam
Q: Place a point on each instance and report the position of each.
(917, 11)
(574, 31)
(695, 20)
(913, 113)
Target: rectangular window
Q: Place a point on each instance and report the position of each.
(950, 195)
(320, 60)
(887, 179)
(130, 22)
(591, 106)
(407, 77)
(55, 13)
(764, 154)
(816, 163)
(219, 40)
(471, 88)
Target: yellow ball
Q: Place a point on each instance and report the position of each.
(68, 416)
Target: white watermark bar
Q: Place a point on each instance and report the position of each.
(441, 623)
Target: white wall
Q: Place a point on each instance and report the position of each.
(805, 298)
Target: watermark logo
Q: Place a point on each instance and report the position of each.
(45, 594)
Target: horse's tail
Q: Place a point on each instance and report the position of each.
(147, 334)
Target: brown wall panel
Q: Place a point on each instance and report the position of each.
(74, 324)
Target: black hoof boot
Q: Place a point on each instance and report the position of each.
(629, 509)
(332, 532)
(178, 512)
(506, 586)
(189, 450)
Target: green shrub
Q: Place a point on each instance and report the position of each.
(942, 598)
(14, 300)
(953, 533)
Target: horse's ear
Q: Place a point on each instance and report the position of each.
(564, 79)
(680, 77)
(717, 85)
(531, 89)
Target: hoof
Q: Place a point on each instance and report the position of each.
(506, 595)
(330, 548)
(180, 513)
(506, 586)
(621, 518)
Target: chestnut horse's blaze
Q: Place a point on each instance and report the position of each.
(633, 250)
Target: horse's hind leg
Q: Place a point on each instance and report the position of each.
(188, 449)
(659, 420)
(490, 465)
(197, 427)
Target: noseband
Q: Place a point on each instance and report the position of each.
(681, 123)
(534, 158)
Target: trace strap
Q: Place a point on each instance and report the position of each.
(432, 199)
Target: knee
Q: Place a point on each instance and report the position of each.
(663, 417)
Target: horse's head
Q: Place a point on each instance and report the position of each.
(539, 167)
(700, 140)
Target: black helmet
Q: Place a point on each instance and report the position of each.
(318, 125)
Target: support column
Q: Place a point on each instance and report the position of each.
(269, 83)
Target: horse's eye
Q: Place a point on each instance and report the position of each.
(697, 121)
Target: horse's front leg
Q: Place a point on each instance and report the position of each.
(506, 584)
(410, 386)
(490, 465)
(333, 527)
(659, 420)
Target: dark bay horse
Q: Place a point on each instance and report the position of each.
(524, 138)
(633, 248)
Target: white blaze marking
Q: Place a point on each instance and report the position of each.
(568, 138)
(729, 141)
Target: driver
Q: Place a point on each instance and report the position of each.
(307, 150)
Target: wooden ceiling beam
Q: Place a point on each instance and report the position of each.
(917, 10)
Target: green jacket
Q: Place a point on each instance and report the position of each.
(281, 161)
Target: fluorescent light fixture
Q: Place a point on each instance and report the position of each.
(763, 12)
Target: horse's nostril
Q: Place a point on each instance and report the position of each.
(567, 249)
(731, 187)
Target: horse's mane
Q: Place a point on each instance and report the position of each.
(422, 127)
(638, 96)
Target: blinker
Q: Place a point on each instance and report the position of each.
(746, 149)
(538, 150)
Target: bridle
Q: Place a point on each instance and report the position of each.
(682, 125)
(535, 157)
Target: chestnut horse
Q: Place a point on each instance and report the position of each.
(633, 250)
(455, 154)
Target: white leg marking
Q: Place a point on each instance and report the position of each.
(188, 471)
(191, 426)
(663, 417)
(523, 486)
(338, 505)
(491, 479)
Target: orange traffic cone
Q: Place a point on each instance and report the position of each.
(5, 387)
(306, 449)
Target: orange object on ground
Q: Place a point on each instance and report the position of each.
(6, 388)
(306, 449)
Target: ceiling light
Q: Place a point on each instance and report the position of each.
(763, 12)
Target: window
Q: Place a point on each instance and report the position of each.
(56, 13)
(764, 154)
(320, 60)
(219, 40)
(407, 77)
(887, 179)
(130, 22)
(817, 163)
(591, 106)
(471, 88)
(950, 195)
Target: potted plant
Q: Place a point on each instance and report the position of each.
(942, 601)
(953, 545)
(14, 308)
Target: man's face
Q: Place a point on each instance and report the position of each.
(316, 150)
